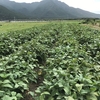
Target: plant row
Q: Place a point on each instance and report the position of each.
(67, 56)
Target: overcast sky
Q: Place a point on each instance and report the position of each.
(89, 5)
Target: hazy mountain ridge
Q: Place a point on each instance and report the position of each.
(6, 14)
(24, 8)
(47, 9)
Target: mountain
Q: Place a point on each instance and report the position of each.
(23, 8)
(6, 14)
(55, 9)
(51, 9)
(47, 9)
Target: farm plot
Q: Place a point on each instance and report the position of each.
(19, 25)
(61, 62)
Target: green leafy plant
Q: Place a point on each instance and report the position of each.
(64, 58)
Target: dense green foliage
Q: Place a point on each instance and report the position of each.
(67, 56)
(6, 14)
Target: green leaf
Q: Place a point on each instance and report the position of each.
(7, 97)
(6, 81)
(41, 97)
(1, 64)
(91, 97)
(19, 95)
(1, 69)
(38, 91)
(2, 93)
(84, 91)
(69, 98)
(4, 75)
(60, 84)
(13, 93)
(88, 80)
(7, 86)
(79, 87)
(16, 85)
(45, 93)
(97, 67)
(22, 84)
(31, 93)
(66, 89)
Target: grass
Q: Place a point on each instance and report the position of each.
(20, 25)
(13, 26)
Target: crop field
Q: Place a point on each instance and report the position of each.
(52, 61)
(18, 25)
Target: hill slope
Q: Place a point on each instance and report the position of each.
(48, 9)
(6, 14)
(23, 8)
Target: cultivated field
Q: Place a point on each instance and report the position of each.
(6, 26)
(58, 60)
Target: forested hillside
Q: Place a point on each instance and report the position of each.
(46, 9)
